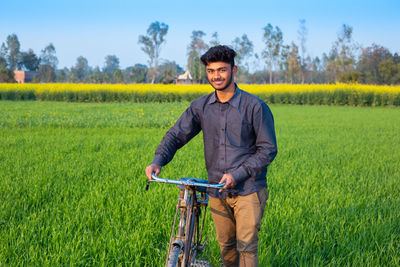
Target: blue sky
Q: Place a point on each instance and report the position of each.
(94, 29)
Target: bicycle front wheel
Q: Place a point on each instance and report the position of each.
(190, 231)
(174, 257)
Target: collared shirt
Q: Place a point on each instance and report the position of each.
(239, 138)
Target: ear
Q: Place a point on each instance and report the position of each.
(235, 68)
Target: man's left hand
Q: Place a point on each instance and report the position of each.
(229, 181)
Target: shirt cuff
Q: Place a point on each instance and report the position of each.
(240, 175)
(159, 160)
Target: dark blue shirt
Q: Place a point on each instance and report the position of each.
(239, 138)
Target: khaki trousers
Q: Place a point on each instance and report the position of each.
(237, 222)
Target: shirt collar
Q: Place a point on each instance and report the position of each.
(234, 101)
(213, 98)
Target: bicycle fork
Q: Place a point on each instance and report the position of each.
(176, 244)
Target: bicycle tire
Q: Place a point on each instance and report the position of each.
(190, 234)
(174, 257)
(201, 263)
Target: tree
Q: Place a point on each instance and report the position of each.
(137, 73)
(341, 58)
(30, 61)
(6, 76)
(3, 62)
(168, 71)
(388, 70)
(196, 48)
(47, 73)
(396, 58)
(48, 56)
(317, 74)
(151, 44)
(48, 63)
(14, 54)
(369, 61)
(244, 50)
(62, 75)
(302, 33)
(396, 79)
(72, 76)
(258, 77)
(273, 39)
(81, 70)
(293, 64)
(117, 76)
(111, 64)
(283, 62)
(346, 48)
(97, 76)
(3, 56)
(214, 41)
(350, 77)
(256, 62)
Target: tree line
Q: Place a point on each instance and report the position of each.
(346, 61)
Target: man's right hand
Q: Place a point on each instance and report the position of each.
(152, 168)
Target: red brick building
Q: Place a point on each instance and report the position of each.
(22, 76)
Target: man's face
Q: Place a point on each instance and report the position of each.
(220, 75)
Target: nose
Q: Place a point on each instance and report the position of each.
(217, 74)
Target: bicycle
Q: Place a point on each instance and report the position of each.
(186, 241)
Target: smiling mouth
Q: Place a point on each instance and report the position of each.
(218, 81)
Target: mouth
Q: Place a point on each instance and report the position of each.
(218, 82)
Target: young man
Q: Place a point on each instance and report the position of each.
(239, 144)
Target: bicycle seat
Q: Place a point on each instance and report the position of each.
(196, 180)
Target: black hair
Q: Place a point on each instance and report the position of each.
(219, 53)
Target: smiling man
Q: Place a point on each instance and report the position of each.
(239, 144)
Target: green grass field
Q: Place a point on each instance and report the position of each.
(72, 185)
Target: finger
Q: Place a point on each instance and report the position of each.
(222, 181)
(157, 172)
(227, 185)
(228, 182)
(148, 174)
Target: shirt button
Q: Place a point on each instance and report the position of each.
(222, 158)
(222, 129)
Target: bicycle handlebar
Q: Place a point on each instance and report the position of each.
(183, 182)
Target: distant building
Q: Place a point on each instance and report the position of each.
(22, 76)
(186, 78)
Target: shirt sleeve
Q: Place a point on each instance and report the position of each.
(186, 127)
(266, 148)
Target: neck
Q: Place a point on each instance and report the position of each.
(226, 94)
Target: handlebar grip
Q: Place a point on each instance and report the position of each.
(147, 185)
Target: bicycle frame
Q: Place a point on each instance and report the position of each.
(185, 245)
